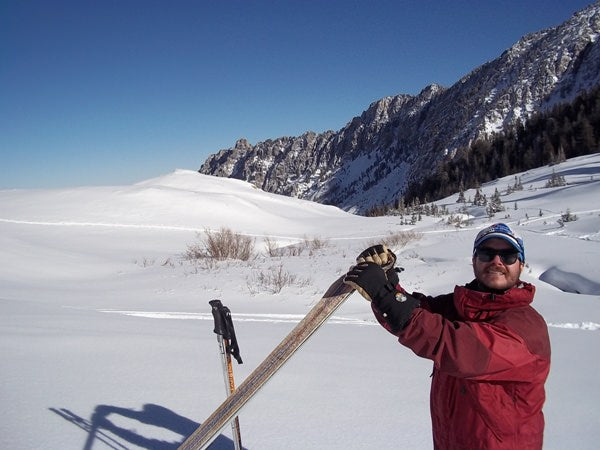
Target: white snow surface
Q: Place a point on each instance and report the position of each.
(107, 338)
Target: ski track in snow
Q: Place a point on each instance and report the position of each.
(98, 224)
(295, 318)
(271, 318)
(66, 223)
(587, 326)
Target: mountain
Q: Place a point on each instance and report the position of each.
(397, 139)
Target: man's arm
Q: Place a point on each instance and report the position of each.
(476, 350)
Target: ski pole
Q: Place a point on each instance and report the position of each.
(228, 347)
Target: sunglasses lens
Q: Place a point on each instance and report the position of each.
(487, 255)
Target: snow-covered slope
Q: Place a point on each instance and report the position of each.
(183, 200)
(106, 332)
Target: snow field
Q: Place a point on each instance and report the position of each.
(106, 332)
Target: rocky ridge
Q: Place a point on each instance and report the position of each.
(376, 155)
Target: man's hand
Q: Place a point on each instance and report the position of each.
(378, 285)
(380, 255)
(370, 280)
(384, 257)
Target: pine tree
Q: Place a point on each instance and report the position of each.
(556, 180)
(496, 202)
(479, 199)
(518, 186)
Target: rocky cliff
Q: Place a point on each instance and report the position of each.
(376, 155)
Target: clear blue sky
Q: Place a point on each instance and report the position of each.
(114, 92)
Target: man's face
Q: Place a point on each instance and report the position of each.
(497, 274)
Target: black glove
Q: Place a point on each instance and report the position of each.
(392, 276)
(396, 309)
(370, 280)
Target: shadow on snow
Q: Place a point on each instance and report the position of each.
(101, 428)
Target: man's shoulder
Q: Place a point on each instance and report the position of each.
(529, 324)
(525, 314)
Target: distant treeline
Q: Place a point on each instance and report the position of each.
(565, 131)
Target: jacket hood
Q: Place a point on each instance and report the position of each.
(473, 304)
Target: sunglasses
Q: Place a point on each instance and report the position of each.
(507, 257)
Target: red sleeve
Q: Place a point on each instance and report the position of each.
(475, 350)
(441, 304)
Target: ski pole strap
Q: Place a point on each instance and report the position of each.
(232, 347)
(224, 327)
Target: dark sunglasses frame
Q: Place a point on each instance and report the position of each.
(508, 257)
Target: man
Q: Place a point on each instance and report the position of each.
(490, 348)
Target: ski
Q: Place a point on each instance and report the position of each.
(206, 433)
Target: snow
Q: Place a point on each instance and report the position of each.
(106, 332)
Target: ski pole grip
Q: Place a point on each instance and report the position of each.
(217, 312)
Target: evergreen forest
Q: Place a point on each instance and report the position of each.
(565, 131)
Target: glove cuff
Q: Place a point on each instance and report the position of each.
(396, 309)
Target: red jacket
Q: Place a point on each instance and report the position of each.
(491, 355)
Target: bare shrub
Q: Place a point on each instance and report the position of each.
(307, 244)
(168, 263)
(399, 239)
(315, 243)
(273, 281)
(293, 250)
(144, 262)
(221, 245)
(271, 247)
(194, 252)
(288, 250)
